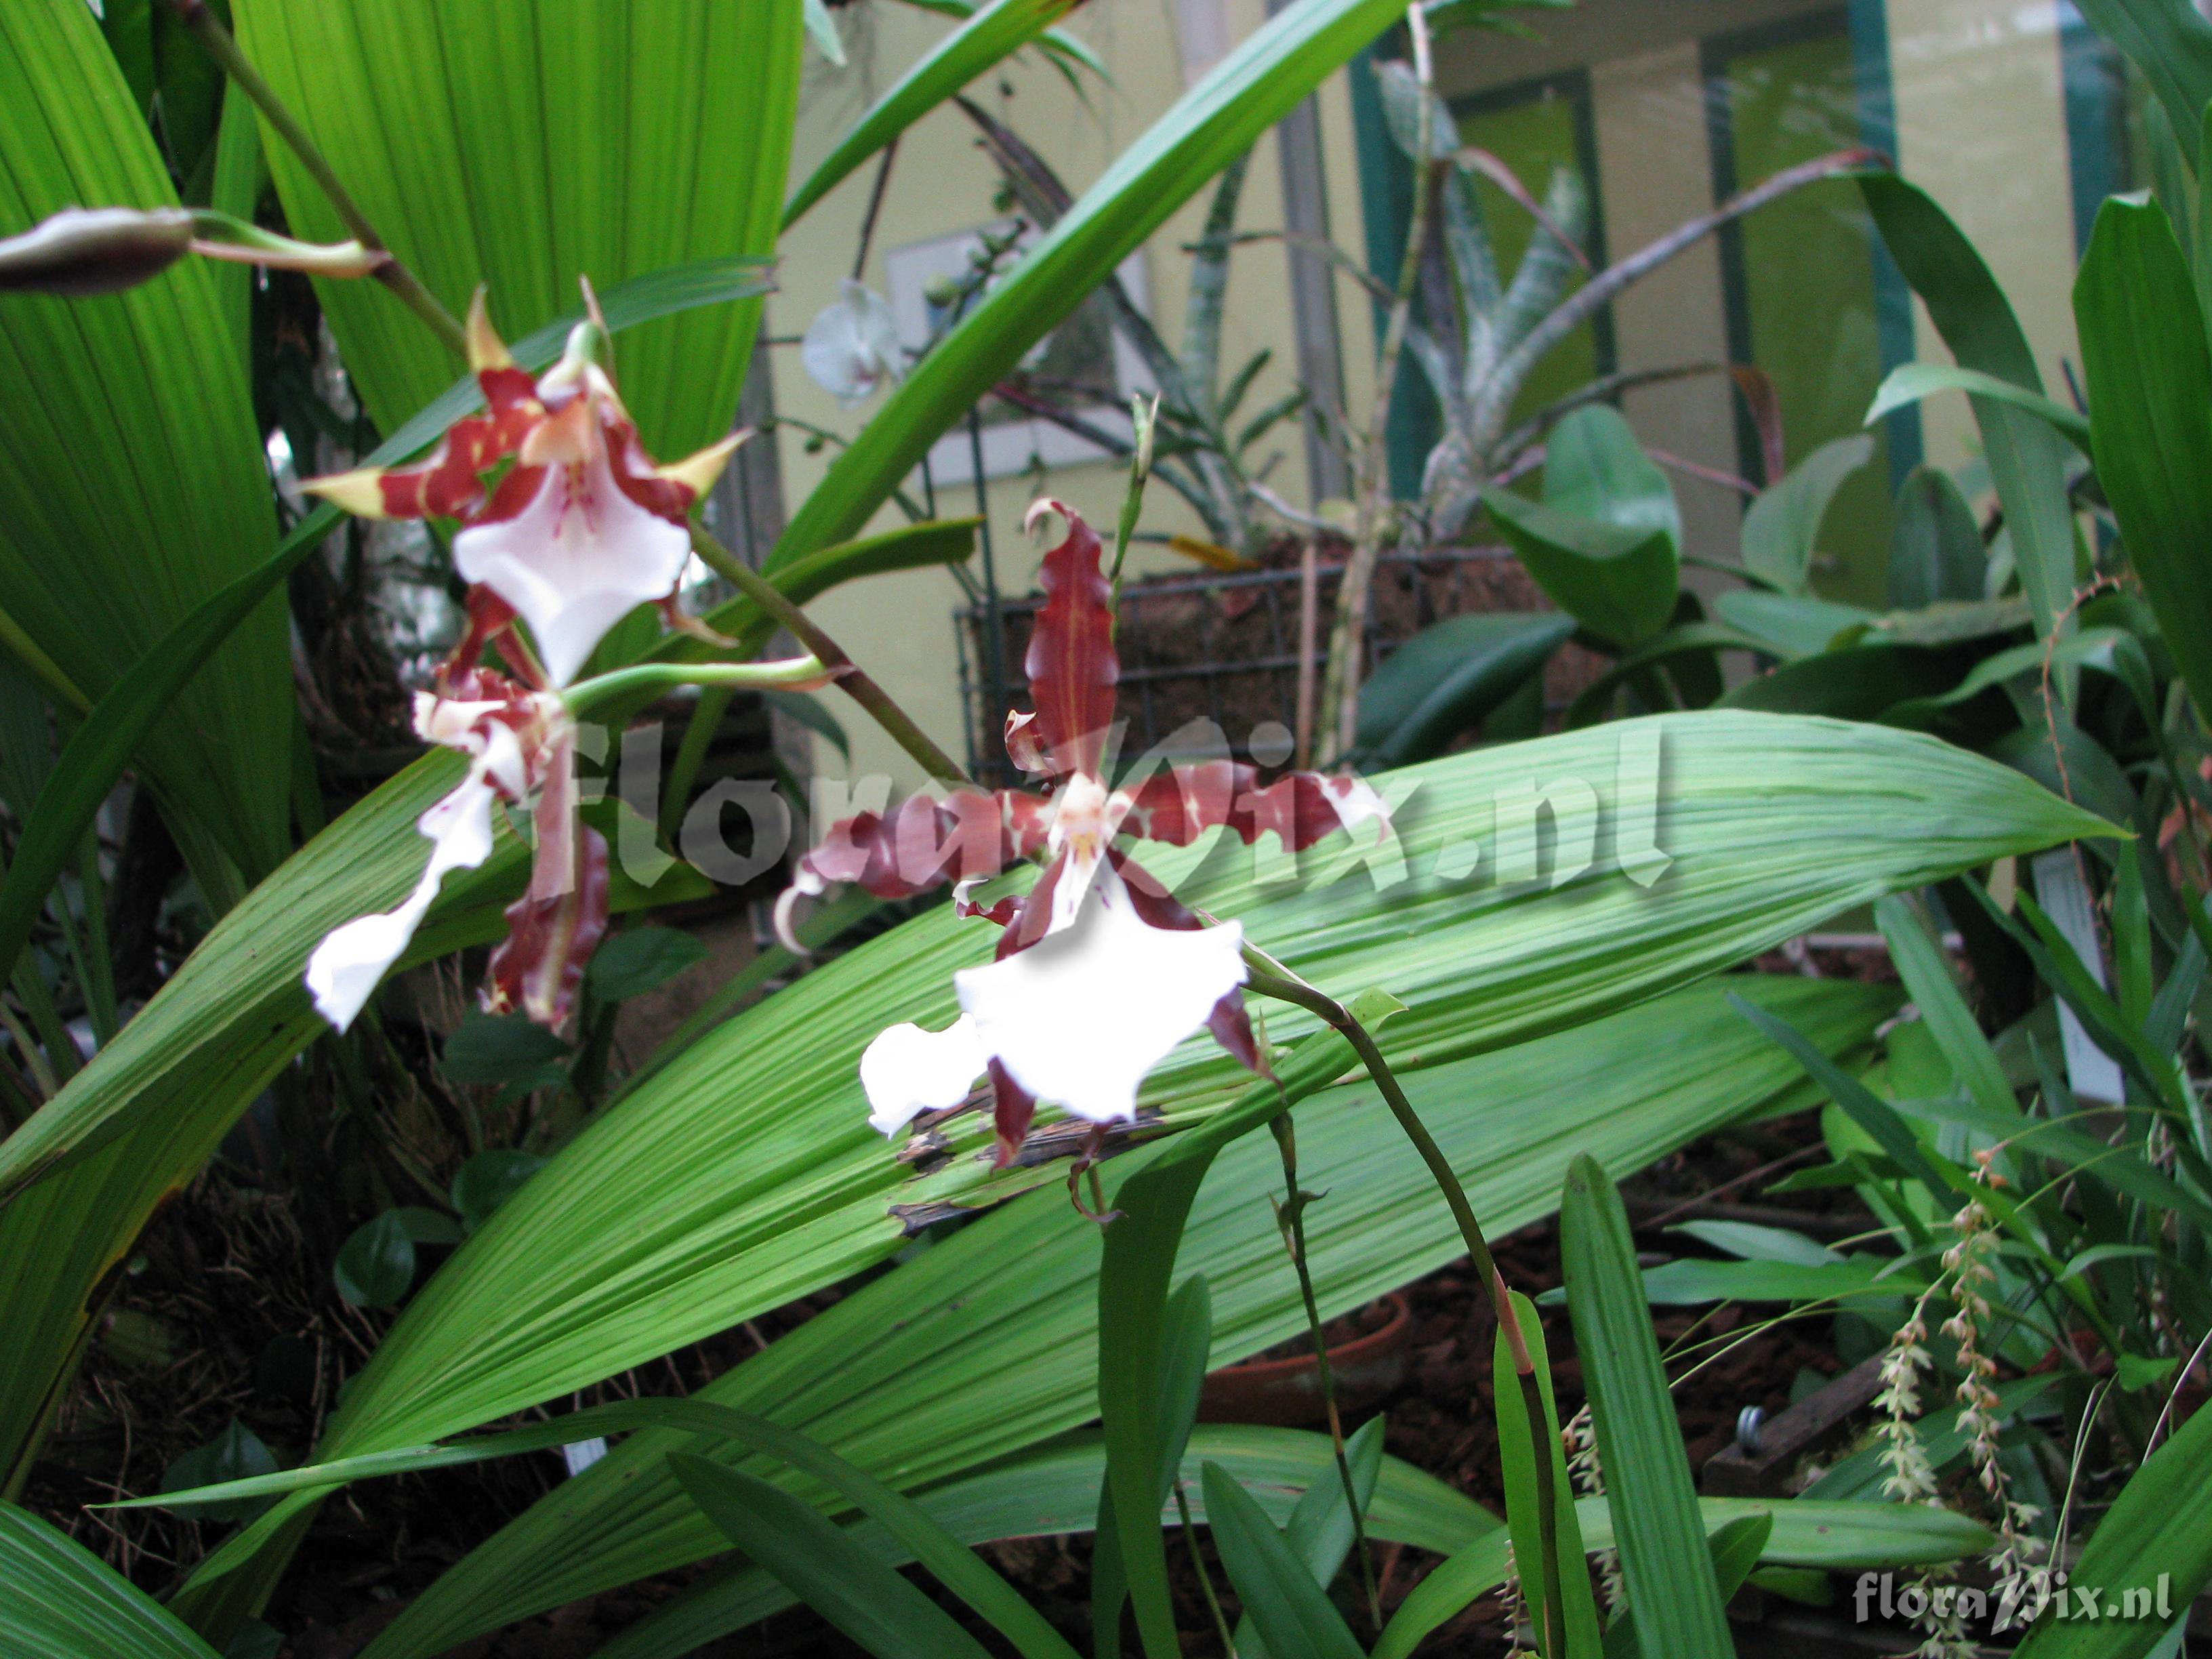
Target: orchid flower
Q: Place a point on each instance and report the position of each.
(580, 528)
(852, 346)
(583, 528)
(1100, 971)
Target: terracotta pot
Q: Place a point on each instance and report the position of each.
(1366, 1369)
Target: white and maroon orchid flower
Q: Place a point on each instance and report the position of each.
(852, 346)
(516, 740)
(583, 527)
(1100, 972)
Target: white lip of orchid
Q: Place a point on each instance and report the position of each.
(352, 960)
(577, 560)
(1077, 1020)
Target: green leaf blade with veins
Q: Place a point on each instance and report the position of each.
(1782, 528)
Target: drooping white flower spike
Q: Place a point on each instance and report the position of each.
(1100, 973)
(852, 349)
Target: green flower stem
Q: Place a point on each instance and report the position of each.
(1144, 419)
(221, 236)
(1205, 1578)
(1291, 1216)
(1270, 978)
(849, 676)
(794, 673)
(393, 273)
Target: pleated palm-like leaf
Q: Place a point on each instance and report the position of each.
(522, 143)
(131, 478)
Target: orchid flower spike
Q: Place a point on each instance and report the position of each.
(1100, 972)
(852, 346)
(516, 740)
(583, 528)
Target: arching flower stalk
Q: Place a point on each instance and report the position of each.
(1100, 971)
(565, 524)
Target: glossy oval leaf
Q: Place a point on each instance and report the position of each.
(1443, 681)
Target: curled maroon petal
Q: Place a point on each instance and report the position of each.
(923, 842)
(551, 937)
(1012, 1110)
(1180, 804)
(1072, 663)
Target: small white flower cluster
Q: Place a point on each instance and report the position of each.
(1588, 1477)
(1510, 1603)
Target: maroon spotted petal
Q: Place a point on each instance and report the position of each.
(1072, 663)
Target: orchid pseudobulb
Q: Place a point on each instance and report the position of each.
(1100, 972)
(580, 528)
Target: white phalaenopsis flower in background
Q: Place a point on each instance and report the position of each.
(852, 349)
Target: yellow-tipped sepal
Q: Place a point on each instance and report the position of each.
(360, 492)
(486, 349)
(697, 472)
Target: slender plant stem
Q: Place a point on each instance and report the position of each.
(197, 16)
(1340, 696)
(793, 673)
(1205, 1578)
(848, 676)
(1270, 978)
(1293, 1218)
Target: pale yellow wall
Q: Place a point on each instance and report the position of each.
(1655, 166)
(900, 626)
(1982, 127)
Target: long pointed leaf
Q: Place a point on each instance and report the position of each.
(58, 1601)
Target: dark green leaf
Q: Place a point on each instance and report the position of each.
(1908, 383)
(2171, 45)
(375, 1266)
(1855, 683)
(489, 1180)
(1935, 547)
(2150, 407)
(1518, 1458)
(492, 1049)
(635, 961)
(1443, 682)
(1792, 624)
(821, 1566)
(236, 1453)
(1295, 1616)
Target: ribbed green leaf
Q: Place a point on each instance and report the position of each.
(991, 34)
(1648, 1484)
(1243, 96)
(2172, 45)
(59, 1601)
(2150, 406)
(524, 143)
(987, 1341)
(175, 1079)
(132, 483)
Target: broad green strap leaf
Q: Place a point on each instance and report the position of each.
(2026, 455)
(1908, 383)
(59, 1601)
(991, 34)
(1014, 1293)
(1294, 1614)
(2150, 407)
(1443, 681)
(514, 145)
(1689, 1283)
(132, 483)
(178, 1076)
(1944, 1010)
(1935, 551)
(1783, 527)
(821, 1566)
(2156, 1537)
(1834, 1535)
(1735, 1549)
(1648, 1487)
(1243, 96)
(1771, 825)
(2172, 45)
